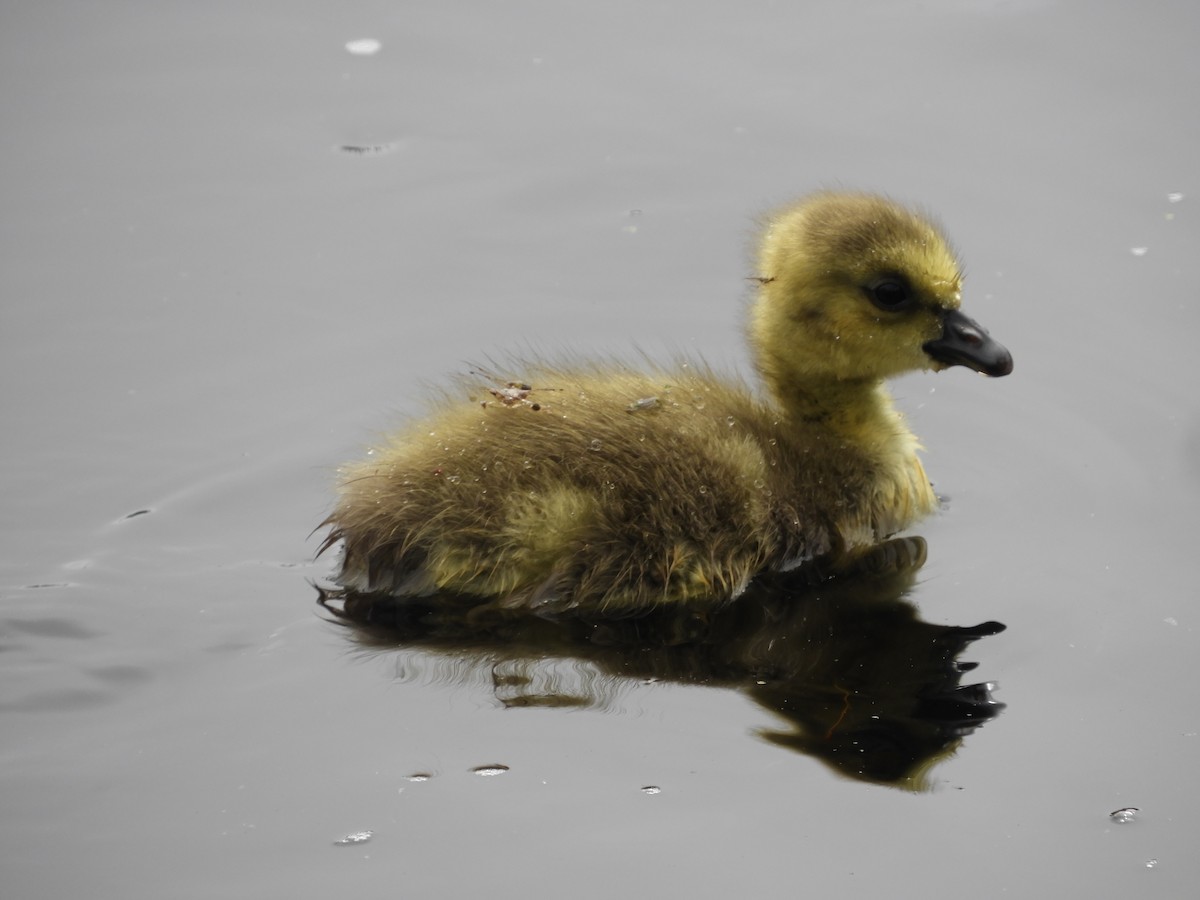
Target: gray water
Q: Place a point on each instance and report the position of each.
(208, 302)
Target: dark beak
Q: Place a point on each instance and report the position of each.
(965, 343)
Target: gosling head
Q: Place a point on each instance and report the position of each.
(857, 288)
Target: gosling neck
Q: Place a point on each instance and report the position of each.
(852, 407)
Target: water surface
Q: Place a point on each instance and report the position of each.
(208, 302)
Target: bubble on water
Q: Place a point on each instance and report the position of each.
(488, 771)
(1124, 815)
(704, 488)
(651, 789)
(595, 445)
(364, 47)
(357, 837)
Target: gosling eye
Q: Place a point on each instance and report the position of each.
(890, 294)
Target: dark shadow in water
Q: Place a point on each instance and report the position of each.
(862, 683)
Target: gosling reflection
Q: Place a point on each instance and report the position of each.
(861, 683)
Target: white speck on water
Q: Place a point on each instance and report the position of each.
(651, 789)
(364, 47)
(1174, 197)
(1171, 620)
(1125, 815)
(358, 837)
(1139, 251)
(1151, 863)
(488, 771)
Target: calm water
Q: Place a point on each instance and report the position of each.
(208, 303)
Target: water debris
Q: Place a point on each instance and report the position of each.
(643, 403)
(651, 789)
(357, 837)
(488, 771)
(380, 149)
(136, 513)
(1124, 815)
(513, 393)
(418, 776)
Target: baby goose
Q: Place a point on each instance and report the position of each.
(604, 490)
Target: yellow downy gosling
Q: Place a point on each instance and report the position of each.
(602, 490)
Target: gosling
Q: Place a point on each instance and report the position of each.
(605, 491)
